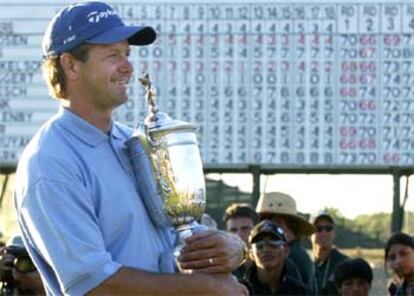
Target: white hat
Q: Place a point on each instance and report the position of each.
(278, 203)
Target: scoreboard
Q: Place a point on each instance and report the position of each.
(323, 84)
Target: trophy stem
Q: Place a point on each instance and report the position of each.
(184, 231)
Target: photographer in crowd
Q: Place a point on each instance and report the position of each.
(18, 275)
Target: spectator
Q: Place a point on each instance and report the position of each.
(353, 277)
(399, 257)
(281, 209)
(239, 219)
(18, 275)
(267, 275)
(326, 257)
(80, 207)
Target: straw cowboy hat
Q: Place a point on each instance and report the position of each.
(277, 203)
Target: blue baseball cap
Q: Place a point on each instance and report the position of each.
(90, 22)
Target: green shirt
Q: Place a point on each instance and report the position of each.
(324, 273)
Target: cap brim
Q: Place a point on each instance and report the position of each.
(134, 34)
(259, 235)
(322, 216)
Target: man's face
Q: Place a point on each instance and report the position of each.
(240, 226)
(269, 253)
(325, 233)
(103, 79)
(355, 287)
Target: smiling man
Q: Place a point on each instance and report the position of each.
(325, 255)
(268, 274)
(80, 209)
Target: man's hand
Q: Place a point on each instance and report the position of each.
(212, 251)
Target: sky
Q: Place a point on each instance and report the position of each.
(352, 195)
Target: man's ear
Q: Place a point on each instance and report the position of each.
(68, 64)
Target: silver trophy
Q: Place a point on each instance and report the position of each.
(175, 195)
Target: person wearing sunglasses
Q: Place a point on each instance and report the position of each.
(326, 256)
(281, 208)
(269, 251)
(18, 274)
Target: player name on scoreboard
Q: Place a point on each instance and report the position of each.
(324, 84)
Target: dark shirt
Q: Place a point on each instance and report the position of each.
(405, 289)
(241, 270)
(392, 288)
(293, 271)
(300, 257)
(324, 273)
(287, 284)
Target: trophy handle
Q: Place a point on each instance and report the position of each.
(140, 148)
(145, 138)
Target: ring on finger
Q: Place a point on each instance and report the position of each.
(210, 261)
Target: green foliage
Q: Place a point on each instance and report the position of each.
(376, 227)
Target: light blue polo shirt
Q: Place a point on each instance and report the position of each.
(78, 206)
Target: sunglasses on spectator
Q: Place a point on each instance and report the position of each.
(320, 228)
(275, 244)
(24, 264)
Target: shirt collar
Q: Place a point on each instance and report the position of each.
(83, 130)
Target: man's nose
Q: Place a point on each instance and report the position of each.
(126, 65)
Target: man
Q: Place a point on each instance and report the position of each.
(239, 218)
(281, 209)
(18, 275)
(82, 216)
(267, 275)
(326, 256)
(353, 277)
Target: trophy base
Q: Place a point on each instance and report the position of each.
(183, 232)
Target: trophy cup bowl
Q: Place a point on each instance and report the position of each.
(177, 187)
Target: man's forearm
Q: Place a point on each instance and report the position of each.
(137, 282)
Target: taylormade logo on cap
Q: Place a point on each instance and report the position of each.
(95, 16)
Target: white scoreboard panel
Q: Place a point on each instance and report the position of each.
(303, 84)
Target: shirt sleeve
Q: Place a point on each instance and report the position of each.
(62, 229)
